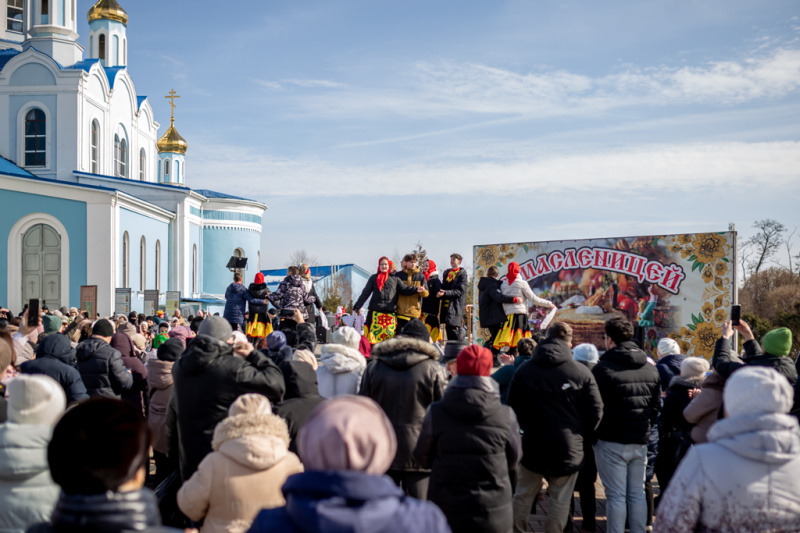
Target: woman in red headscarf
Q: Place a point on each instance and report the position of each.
(382, 289)
(431, 305)
(516, 325)
(258, 322)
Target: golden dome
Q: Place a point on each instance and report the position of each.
(172, 141)
(108, 10)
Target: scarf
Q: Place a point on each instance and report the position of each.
(431, 270)
(383, 276)
(451, 275)
(305, 272)
(513, 271)
(259, 279)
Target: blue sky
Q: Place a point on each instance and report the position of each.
(366, 126)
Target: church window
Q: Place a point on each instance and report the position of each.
(142, 264)
(177, 171)
(14, 15)
(101, 47)
(45, 11)
(194, 268)
(62, 13)
(166, 169)
(142, 165)
(95, 156)
(35, 138)
(126, 255)
(158, 265)
(115, 49)
(120, 157)
(124, 51)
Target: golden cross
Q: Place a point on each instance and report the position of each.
(172, 96)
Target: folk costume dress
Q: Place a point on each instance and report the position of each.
(431, 305)
(516, 324)
(258, 323)
(382, 289)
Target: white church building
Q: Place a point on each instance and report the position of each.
(89, 192)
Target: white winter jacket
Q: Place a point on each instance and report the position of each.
(340, 371)
(747, 478)
(520, 289)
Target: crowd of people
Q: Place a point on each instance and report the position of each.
(244, 422)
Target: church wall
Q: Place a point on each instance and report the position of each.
(137, 226)
(218, 246)
(72, 215)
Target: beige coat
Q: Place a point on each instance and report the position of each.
(244, 474)
(703, 410)
(159, 379)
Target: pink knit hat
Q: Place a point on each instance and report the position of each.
(348, 433)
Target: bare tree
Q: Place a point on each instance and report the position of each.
(789, 245)
(298, 257)
(420, 252)
(765, 243)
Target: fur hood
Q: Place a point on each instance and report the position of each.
(404, 352)
(254, 441)
(688, 383)
(340, 359)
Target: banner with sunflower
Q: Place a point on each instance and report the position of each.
(677, 286)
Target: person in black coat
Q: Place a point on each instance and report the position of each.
(557, 403)
(631, 390)
(490, 302)
(208, 378)
(101, 367)
(301, 397)
(454, 297)
(404, 376)
(382, 289)
(257, 316)
(471, 442)
(55, 357)
(431, 305)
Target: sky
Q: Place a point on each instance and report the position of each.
(367, 125)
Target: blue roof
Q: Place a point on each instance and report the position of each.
(139, 101)
(10, 168)
(85, 65)
(131, 181)
(111, 73)
(316, 271)
(7, 55)
(220, 195)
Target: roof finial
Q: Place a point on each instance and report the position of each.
(172, 96)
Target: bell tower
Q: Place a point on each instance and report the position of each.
(108, 39)
(54, 30)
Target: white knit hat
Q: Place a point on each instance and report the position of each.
(667, 346)
(585, 352)
(694, 367)
(35, 399)
(757, 390)
(347, 336)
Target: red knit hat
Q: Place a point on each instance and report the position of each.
(474, 361)
(259, 278)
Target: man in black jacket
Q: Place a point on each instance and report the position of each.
(454, 298)
(101, 367)
(631, 391)
(405, 377)
(208, 378)
(55, 357)
(558, 404)
(490, 302)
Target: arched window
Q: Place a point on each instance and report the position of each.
(120, 157)
(124, 51)
(142, 264)
(142, 165)
(45, 11)
(115, 49)
(14, 15)
(177, 171)
(160, 171)
(126, 255)
(239, 253)
(95, 151)
(194, 268)
(166, 170)
(101, 46)
(35, 138)
(158, 265)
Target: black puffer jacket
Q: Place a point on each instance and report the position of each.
(260, 292)
(302, 396)
(432, 303)
(55, 358)
(726, 362)
(455, 297)
(470, 479)
(384, 300)
(491, 301)
(208, 378)
(558, 405)
(404, 377)
(101, 368)
(631, 392)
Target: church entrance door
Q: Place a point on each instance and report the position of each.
(41, 266)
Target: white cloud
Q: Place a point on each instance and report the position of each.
(670, 167)
(299, 82)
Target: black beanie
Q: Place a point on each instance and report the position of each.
(170, 350)
(416, 329)
(103, 328)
